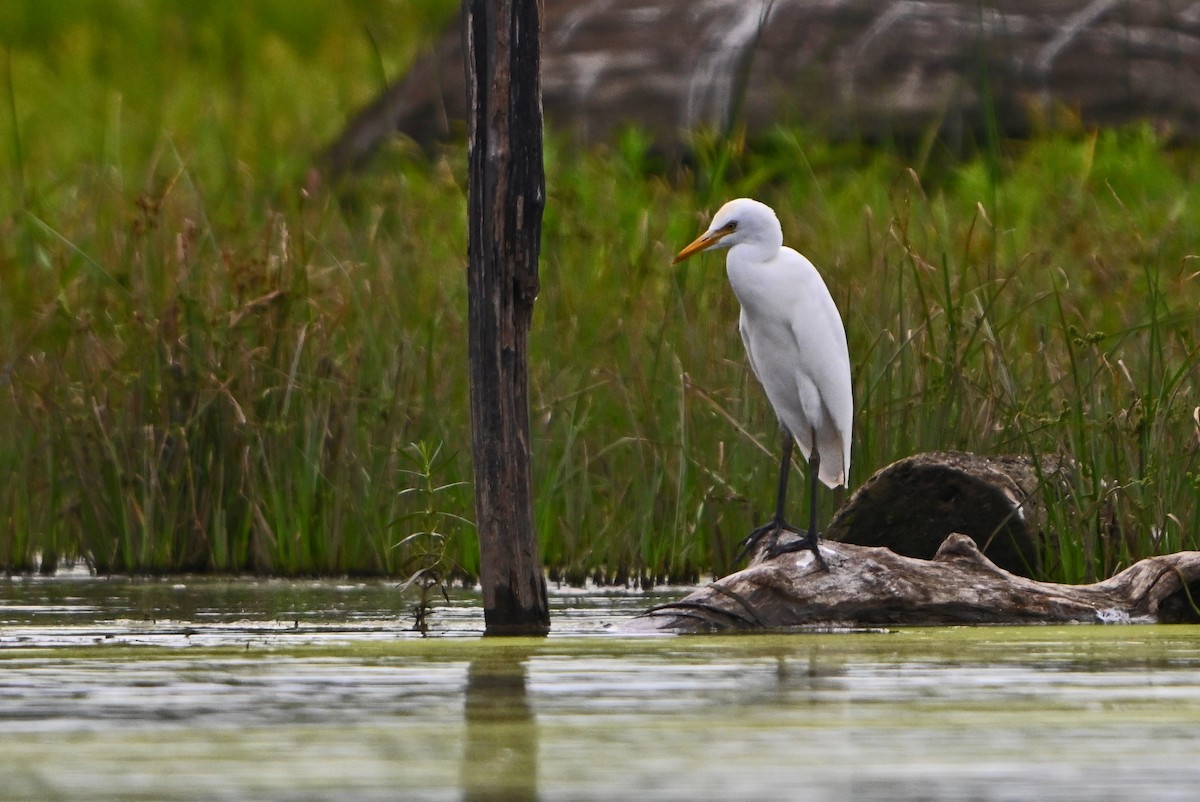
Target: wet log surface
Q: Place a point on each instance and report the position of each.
(874, 586)
(855, 68)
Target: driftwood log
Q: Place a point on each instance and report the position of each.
(860, 68)
(873, 586)
(912, 505)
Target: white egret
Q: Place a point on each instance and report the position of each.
(797, 347)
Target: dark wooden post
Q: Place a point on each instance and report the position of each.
(506, 195)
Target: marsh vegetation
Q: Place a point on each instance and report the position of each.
(212, 363)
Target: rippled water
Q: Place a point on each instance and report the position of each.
(239, 689)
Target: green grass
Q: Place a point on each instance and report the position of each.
(207, 367)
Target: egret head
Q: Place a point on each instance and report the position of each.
(739, 222)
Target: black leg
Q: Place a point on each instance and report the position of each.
(776, 524)
(785, 468)
(779, 525)
(814, 472)
(811, 539)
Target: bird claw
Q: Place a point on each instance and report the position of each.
(810, 541)
(750, 541)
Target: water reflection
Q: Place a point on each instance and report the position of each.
(277, 691)
(500, 756)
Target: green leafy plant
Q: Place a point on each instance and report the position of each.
(427, 546)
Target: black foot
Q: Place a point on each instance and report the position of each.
(750, 542)
(808, 540)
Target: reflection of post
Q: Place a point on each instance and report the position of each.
(500, 759)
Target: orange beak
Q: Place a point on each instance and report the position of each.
(702, 243)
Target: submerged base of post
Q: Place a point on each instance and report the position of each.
(508, 617)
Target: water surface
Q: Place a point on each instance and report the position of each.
(241, 689)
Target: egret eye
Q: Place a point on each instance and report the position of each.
(730, 227)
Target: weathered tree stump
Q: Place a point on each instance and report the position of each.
(874, 586)
(506, 193)
(912, 505)
(855, 67)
